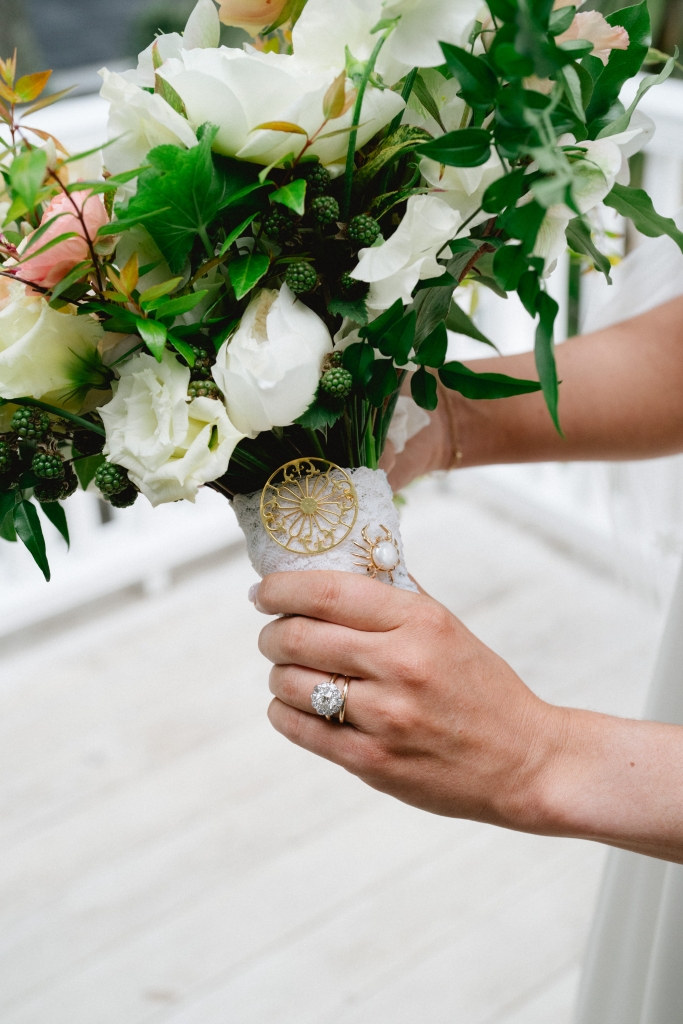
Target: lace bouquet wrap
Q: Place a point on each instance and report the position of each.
(242, 306)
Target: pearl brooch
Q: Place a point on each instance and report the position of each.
(380, 555)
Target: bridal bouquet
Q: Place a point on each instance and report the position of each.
(234, 291)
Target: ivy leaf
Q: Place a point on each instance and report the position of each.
(355, 310)
(293, 196)
(423, 389)
(53, 511)
(460, 378)
(468, 147)
(247, 271)
(478, 84)
(30, 532)
(579, 239)
(323, 412)
(545, 354)
(637, 206)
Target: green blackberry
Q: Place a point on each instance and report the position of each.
(203, 361)
(335, 359)
(363, 229)
(279, 227)
(30, 424)
(87, 442)
(111, 479)
(47, 467)
(57, 490)
(317, 177)
(125, 498)
(325, 209)
(6, 457)
(203, 389)
(353, 289)
(301, 277)
(337, 382)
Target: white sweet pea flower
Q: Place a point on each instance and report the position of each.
(394, 268)
(139, 122)
(270, 368)
(169, 445)
(604, 163)
(42, 352)
(593, 26)
(238, 91)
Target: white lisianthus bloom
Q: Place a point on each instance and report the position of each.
(393, 268)
(139, 122)
(604, 163)
(238, 91)
(269, 370)
(169, 445)
(42, 352)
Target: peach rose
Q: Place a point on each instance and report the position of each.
(51, 266)
(251, 15)
(592, 25)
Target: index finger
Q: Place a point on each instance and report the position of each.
(345, 598)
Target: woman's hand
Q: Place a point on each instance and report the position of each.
(434, 717)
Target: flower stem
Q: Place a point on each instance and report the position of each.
(353, 136)
(62, 413)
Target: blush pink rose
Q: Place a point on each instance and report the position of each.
(592, 25)
(50, 267)
(251, 15)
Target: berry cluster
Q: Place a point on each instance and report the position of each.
(115, 485)
(337, 382)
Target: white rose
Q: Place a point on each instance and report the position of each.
(269, 370)
(394, 268)
(169, 445)
(237, 91)
(139, 122)
(43, 352)
(203, 29)
(604, 163)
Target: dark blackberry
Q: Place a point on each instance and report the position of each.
(203, 389)
(47, 467)
(363, 229)
(353, 289)
(30, 424)
(125, 498)
(279, 226)
(325, 209)
(111, 479)
(337, 382)
(301, 277)
(87, 442)
(317, 177)
(57, 490)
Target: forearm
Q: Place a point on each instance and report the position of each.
(621, 397)
(611, 780)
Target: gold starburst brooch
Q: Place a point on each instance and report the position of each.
(309, 506)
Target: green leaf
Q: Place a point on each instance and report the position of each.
(504, 192)
(7, 531)
(621, 123)
(165, 307)
(154, 336)
(293, 196)
(30, 532)
(468, 147)
(579, 239)
(376, 328)
(358, 359)
(119, 227)
(509, 263)
(53, 511)
(291, 12)
(560, 20)
(159, 290)
(423, 389)
(323, 412)
(401, 141)
(182, 347)
(247, 271)
(78, 272)
(421, 90)
(460, 378)
(355, 310)
(86, 469)
(168, 93)
(27, 174)
(637, 206)
(528, 289)
(545, 354)
(511, 63)
(432, 304)
(237, 233)
(7, 502)
(459, 322)
(432, 351)
(523, 222)
(622, 64)
(398, 340)
(442, 281)
(571, 82)
(383, 381)
(478, 84)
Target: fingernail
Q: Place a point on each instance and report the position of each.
(253, 597)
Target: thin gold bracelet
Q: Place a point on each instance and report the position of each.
(453, 429)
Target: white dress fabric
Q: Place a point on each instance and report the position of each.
(633, 973)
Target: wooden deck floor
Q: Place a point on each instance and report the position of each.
(166, 858)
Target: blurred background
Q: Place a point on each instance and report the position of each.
(165, 858)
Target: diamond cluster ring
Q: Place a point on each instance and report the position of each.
(327, 699)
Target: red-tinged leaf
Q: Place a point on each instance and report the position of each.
(47, 101)
(29, 87)
(46, 136)
(130, 275)
(280, 126)
(8, 94)
(335, 98)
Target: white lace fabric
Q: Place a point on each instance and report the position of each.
(375, 510)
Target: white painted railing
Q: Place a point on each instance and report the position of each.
(628, 514)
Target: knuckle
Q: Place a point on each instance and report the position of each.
(294, 636)
(328, 594)
(288, 683)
